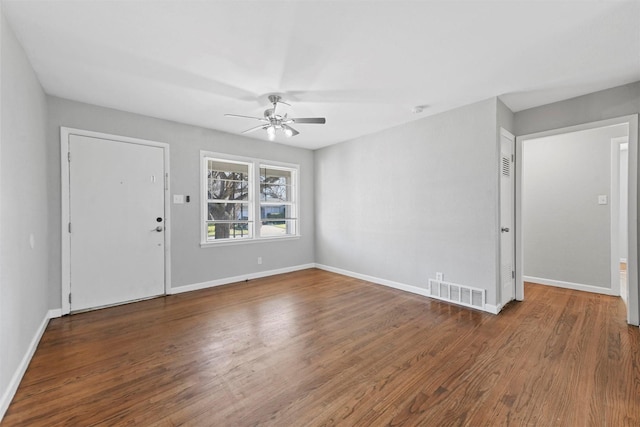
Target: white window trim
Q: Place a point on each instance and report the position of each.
(254, 198)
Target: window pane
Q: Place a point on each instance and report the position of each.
(275, 193)
(227, 180)
(278, 228)
(228, 211)
(227, 189)
(239, 170)
(228, 230)
(275, 184)
(275, 176)
(276, 212)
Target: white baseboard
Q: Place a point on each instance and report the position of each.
(493, 309)
(5, 401)
(569, 285)
(376, 280)
(396, 285)
(242, 278)
(53, 314)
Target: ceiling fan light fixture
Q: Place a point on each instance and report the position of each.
(271, 133)
(288, 131)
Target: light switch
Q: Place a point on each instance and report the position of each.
(178, 199)
(602, 199)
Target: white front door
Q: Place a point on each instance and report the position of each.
(507, 213)
(117, 222)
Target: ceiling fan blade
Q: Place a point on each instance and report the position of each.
(262, 119)
(256, 128)
(318, 120)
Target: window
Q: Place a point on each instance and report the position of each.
(277, 201)
(229, 213)
(247, 199)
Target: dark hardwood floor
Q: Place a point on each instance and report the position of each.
(312, 348)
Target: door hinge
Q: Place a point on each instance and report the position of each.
(69, 156)
(69, 227)
(513, 274)
(166, 181)
(513, 158)
(69, 297)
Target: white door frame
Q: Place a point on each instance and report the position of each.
(615, 211)
(633, 307)
(65, 133)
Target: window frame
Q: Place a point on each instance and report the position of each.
(293, 203)
(248, 203)
(254, 198)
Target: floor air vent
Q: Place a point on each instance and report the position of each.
(457, 294)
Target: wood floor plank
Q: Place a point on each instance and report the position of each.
(315, 348)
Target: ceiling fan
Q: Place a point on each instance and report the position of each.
(272, 121)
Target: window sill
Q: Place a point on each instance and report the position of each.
(248, 242)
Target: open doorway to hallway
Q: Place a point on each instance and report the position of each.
(573, 207)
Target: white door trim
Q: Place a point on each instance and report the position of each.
(633, 308)
(65, 133)
(614, 205)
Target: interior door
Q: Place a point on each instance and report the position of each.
(507, 217)
(116, 198)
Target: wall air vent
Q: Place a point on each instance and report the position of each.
(457, 294)
(506, 165)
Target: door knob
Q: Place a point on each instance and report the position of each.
(158, 229)
(505, 229)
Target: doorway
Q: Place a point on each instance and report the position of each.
(619, 213)
(115, 220)
(598, 262)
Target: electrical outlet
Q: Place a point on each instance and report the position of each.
(439, 277)
(259, 260)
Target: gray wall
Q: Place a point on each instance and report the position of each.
(190, 263)
(607, 104)
(506, 118)
(24, 288)
(407, 202)
(566, 233)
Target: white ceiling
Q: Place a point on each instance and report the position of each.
(363, 65)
